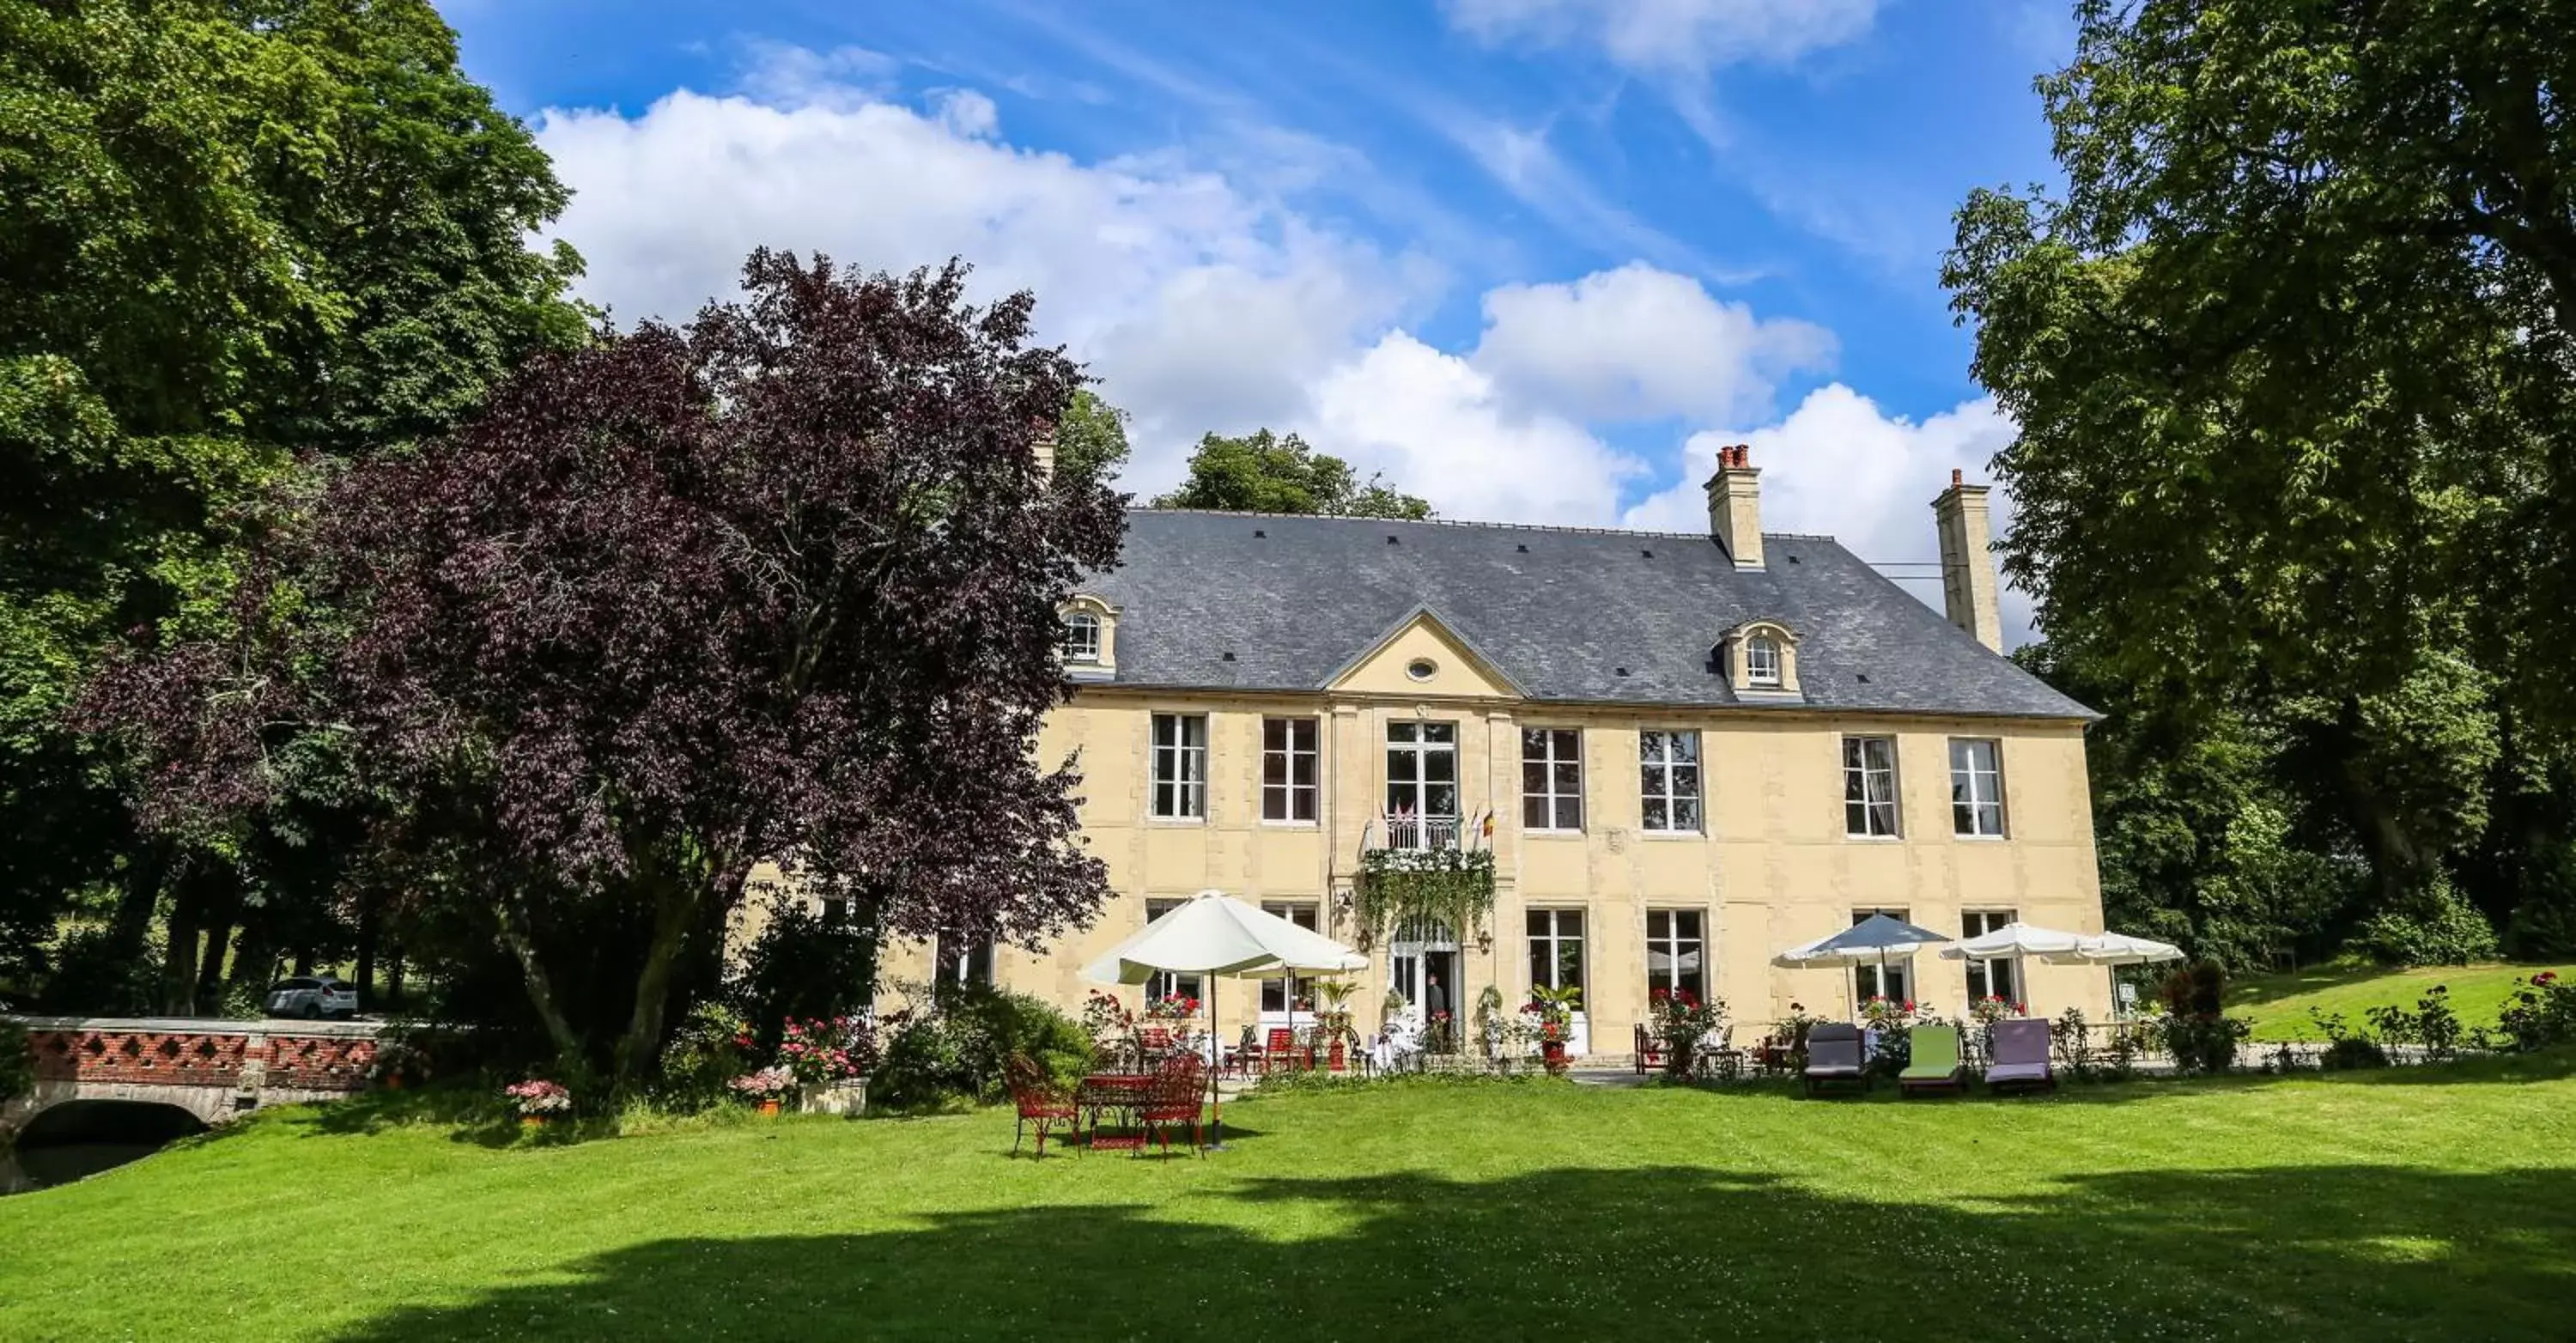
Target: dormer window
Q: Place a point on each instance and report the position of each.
(1762, 662)
(1087, 639)
(1760, 659)
(1081, 637)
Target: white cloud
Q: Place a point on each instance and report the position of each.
(968, 113)
(1203, 305)
(1638, 343)
(1841, 467)
(1671, 36)
(1435, 424)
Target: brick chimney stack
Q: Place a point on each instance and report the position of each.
(1042, 444)
(1968, 561)
(1735, 506)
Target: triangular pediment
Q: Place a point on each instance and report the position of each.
(1395, 662)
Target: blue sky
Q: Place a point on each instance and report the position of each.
(1532, 258)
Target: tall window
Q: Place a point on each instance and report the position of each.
(1180, 764)
(1893, 981)
(1277, 994)
(1869, 785)
(1556, 948)
(1676, 952)
(1668, 777)
(1166, 984)
(1976, 786)
(1551, 778)
(958, 963)
(1422, 785)
(1288, 765)
(1997, 978)
(1081, 637)
(1762, 661)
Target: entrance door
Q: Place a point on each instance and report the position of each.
(1422, 965)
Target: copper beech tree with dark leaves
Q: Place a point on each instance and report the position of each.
(779, 586)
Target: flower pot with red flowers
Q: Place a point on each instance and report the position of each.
(538, 1101)
(765, 1089)
(1552, 1012)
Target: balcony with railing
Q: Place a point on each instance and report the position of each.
(1420, 834)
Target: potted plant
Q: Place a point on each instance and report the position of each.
(1680, 1022)
(828, 1059)
(765, 1088)
(539, 1101)
(397, 1065)
(1554, 1010)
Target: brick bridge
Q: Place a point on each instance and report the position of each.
(214, 1070)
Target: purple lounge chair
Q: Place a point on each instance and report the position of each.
(2021, 1056)
(1834, 1056)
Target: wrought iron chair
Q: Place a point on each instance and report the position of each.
(1179, 1096)
(1041, 1103)
(1281, 1052)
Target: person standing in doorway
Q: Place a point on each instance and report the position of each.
(1435, 999)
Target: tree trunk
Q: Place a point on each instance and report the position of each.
(366, 951)
(541, 994)
(674, 909)
(210, 969)
(304, 960)
(179, 954)
(394, 977)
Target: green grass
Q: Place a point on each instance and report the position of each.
(2279, 1003)
(2415, 1203)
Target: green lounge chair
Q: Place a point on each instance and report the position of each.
(1936, 1065)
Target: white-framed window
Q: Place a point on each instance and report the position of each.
(1894, 980)
(1677, 952)
(1421, 784)
(1166, 984)
(1289, 764)
(958, 963)
(1277, 994)
(1551, 778)
(1180, 765)
(1668, 780)
(1762, 661)
(1976, 786)
(1556, 948)
(1996, 978)
(1081, 639)
(1869, 786)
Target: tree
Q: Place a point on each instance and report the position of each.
(229, 232)
(1264, 473)
(782, 586)
(1091, 439)
(2289, 364)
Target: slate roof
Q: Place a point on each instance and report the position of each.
(1567, 614)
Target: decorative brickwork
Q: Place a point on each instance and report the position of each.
(208, 1057)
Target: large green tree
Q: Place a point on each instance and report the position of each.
(230, 234)
(2289, 358)
(1262, 472)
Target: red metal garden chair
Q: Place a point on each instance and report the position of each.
(1041, 1102)
(1179, 1097)
(1650, 1052)
(1281, 1052)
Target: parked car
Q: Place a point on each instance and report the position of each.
(313, 997)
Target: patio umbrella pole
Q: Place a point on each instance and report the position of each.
(1216, 1089)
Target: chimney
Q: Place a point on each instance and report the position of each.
(1042, 446)
(1968, 561)
(1735, 506)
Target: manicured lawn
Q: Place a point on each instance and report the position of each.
(2416, 1203)
(2279, 1003)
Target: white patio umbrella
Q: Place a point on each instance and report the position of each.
(1870, 941)
(2016, 939)
(2124, 949)
(1216, 934)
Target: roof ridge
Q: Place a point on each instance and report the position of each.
(1568, 529)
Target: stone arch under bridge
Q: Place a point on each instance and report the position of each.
(214, 1070)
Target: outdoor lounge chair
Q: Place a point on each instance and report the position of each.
(1935, 1066)
(1834, 1056)
(2021, 1056)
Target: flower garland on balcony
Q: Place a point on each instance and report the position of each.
(1453, 886)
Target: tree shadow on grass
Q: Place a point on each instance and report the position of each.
(2278, 1253)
